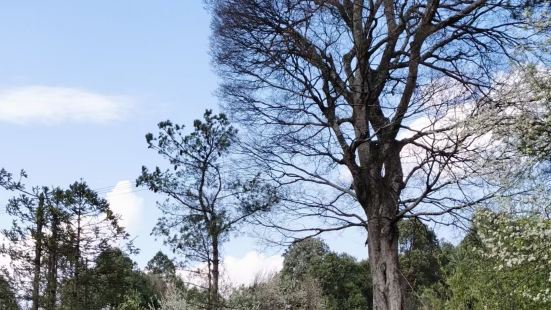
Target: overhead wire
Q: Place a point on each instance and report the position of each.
(105, 190)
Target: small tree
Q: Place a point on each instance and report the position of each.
(160, 264)
(206, 200)
(26, 244)
(343, 282)
(174, 299)
(162, 272)
(91, 228)
(56, 245)
(420, 263)
(475, 282)
(114, 282)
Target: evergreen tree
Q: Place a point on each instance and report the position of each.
(91, 228)
(206, 199)
(54, 234)
(25, 239)
(344, 282)
(7, 296)
(419, 259)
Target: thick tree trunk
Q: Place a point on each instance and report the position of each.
(384, 262)
(378, 191)
(38, 252)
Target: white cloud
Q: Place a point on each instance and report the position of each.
(244, 270)
(344, 176)
(129, 206)
(52, 105)
(236, 271)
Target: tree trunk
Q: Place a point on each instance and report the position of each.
(379, 191)
(76, 276)
(384, 262)
(51, 286)
(38, 252)
(209, 288)
(85, 289)
(215, 273)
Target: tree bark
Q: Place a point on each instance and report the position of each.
(76, 276)
(384, 262)
(51, 286)
(209, 288)
(38, 252)
(215, 273)
(378, 191)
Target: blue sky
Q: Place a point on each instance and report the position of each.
(150, 55)
(148, 59)
(135, 62)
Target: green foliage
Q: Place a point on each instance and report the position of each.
(421, 259)
(7, 296)
(475, 284)
(301, 258)
(118, 276)
(519, 245)
(498, 265)
(113, 282)
(344, 283)
(114, 272)
(160, 264)
(131, 302)
(161, 272)
(312, 278)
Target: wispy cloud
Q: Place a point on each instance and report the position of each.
(53, 105)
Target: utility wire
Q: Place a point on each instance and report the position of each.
(127, 192)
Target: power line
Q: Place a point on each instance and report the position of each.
(127, 192)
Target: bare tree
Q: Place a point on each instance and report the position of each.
(385, 91)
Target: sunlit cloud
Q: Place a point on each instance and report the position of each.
(236, 271)
(244, 270)
(127, 204)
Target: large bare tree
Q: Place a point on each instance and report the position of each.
(382, 90)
